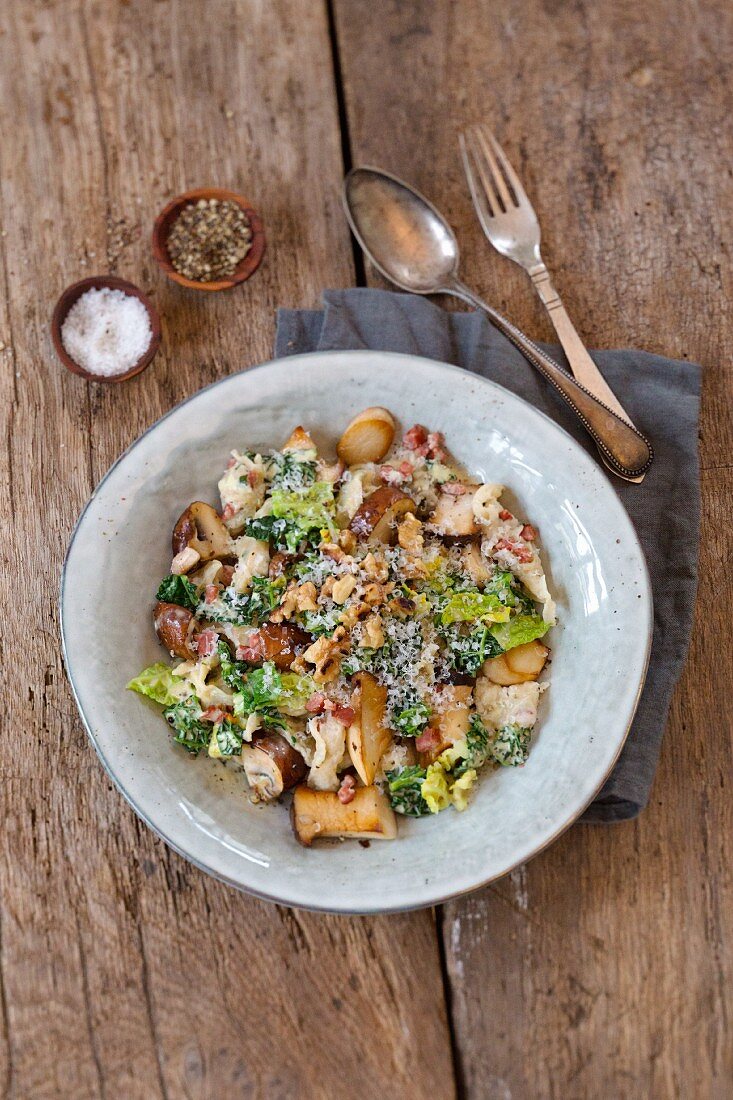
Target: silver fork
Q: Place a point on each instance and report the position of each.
(508, 219)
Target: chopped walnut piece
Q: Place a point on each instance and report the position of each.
(409, 533)
(332, 551)
(354, 614)
(374, 594)
(410, 538)
(326, 654)
(375, 568)
(343, 588)
(373, 636)
(347, 541)
(298, 597)
(305, 597)
(401, 607)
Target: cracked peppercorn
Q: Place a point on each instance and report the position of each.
(208, 239)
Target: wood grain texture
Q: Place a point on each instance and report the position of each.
(605, 966)
(125, 972)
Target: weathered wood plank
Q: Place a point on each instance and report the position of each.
(124, 971)
(604, 967)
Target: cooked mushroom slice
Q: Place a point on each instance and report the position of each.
(368, 437)
(453, 513)
(282, 643)
(299, 440)
(376, 519)
(518, 665)
(185, 561)
(449, 725)
(318, 814)
(454, 720)
(172, 625)
(368, 737)
(272, 766)
(201, 529)
(476, 565)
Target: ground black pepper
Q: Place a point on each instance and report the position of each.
(208, 239)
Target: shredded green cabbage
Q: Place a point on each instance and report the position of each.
(158, 683)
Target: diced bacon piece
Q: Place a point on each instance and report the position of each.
(229, 512)
(528, 532)
(253, 651)
(406, 468)
(211, 592)
(214, 714)
(503, 514)
(428, 740)
(227, 572)
(454, 489)
(345, 715)
(314, 704)
(521, 551)
(391, 476)
(347, 790)
(206, 643)
(436, 448)
(253, 478)
(415, 437)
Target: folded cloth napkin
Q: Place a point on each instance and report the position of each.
(661, 395)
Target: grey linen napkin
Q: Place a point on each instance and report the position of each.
(663, 398)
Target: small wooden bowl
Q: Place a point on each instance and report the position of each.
(245, 267)
(72, 295)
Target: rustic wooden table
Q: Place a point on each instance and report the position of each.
(605, 966)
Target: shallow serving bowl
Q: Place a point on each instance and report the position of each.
(121, 549)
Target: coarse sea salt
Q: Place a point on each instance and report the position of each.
(106, 331)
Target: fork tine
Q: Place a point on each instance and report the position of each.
(480, 199)
(486, 183)
(519, 193)
(497, 179)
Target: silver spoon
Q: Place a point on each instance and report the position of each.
(413, 246)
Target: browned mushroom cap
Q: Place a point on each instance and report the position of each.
(202, 529)
(367, 437)
(282, 643)
(272, 766)
(376, 519)
(172, 625)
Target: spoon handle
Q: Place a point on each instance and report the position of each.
(627, 452)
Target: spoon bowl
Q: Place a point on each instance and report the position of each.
(402, 233)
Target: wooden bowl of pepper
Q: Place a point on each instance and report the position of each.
(209, 239)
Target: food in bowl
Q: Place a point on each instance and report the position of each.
(364, 632)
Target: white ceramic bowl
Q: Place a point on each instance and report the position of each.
(121, 549)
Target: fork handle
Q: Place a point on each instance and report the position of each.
(580, 361)
(626, 451)
(577, 356)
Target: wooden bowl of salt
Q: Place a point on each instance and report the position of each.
(105, 329)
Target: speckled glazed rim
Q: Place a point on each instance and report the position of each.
(303, 362)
